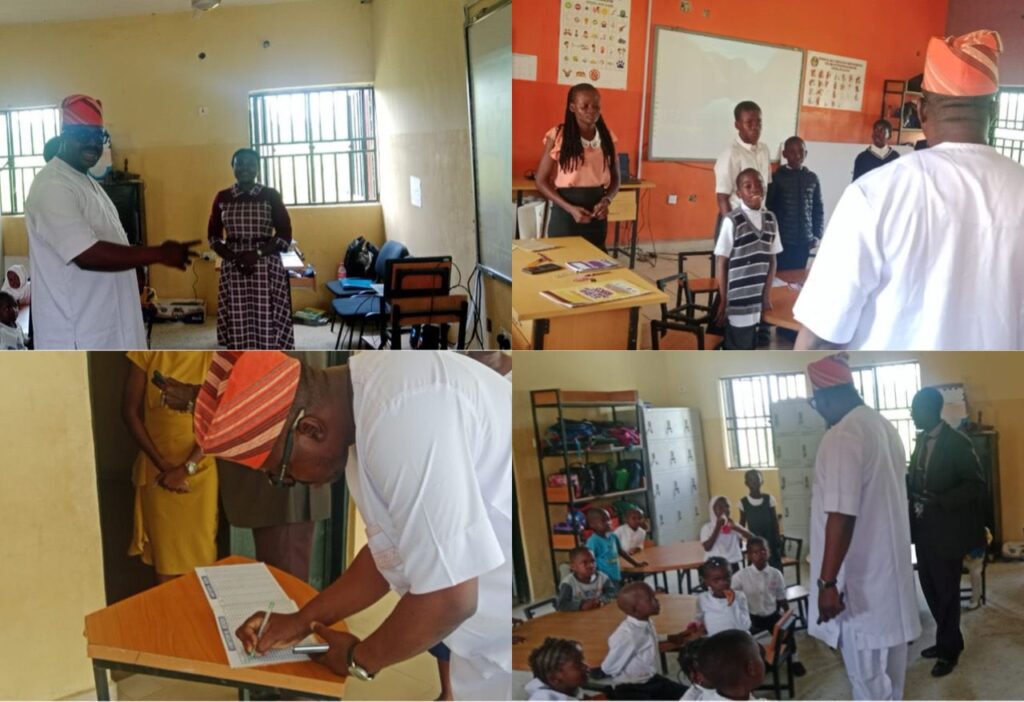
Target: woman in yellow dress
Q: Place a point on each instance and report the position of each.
(175, 486)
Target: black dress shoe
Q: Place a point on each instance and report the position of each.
(930, 652)
(798, 669)
(942, 667)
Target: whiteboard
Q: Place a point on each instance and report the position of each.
(489, 49)
(833, 164)
(699, 79)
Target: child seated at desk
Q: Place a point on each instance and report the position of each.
(606, 547)
(633, 649)
(584, 587)
(632, 532)
(558, 671)
(720, 535)
(16, 283)
(11, 336)
(765, 589)
(720, 608)
(731, 661)
(689, 663)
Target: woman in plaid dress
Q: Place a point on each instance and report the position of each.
(249, 228)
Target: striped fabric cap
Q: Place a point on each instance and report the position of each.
(81, 109)
(967, 65)
(243, 404)
(830, 371)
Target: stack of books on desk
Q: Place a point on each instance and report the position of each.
(601, 264)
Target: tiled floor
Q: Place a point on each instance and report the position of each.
(414, 679)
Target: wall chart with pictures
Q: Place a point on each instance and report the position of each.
(594, 43)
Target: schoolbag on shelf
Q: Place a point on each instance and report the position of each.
(577, 435)
(636, 473)
(604, 478)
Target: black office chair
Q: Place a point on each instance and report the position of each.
(416, 295)
(360, 306)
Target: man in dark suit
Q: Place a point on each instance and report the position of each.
(945, 486)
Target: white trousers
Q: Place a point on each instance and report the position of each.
(874, 673)
(479, 679)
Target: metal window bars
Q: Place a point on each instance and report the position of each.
(1008, 134)
(888, 388)
(23, 134)
(747, 401)
(317, 146)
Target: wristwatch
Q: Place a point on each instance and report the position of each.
(190, 407)
(259, 252)
(191, 467)
(356, 670)
(825, 584)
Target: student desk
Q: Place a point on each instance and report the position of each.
(539, 323)
(593, 627)
(169, 631)
(679, 557)
(624, 208)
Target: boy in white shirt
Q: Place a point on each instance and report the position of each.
(633, 649)
(746, 151)
(720, 608)
(632, 532)
(732, 660)
(11, 336)
(765, 588)
(748, 242)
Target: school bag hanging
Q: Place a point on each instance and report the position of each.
(360, 257)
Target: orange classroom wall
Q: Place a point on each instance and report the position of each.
(890, 36)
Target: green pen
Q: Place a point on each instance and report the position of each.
(263, 627)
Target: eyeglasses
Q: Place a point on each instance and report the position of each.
(85, 134)
(283, 479)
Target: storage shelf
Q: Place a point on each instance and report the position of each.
(592, 498)
(558, 453)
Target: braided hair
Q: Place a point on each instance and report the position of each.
(551, 655)
(570, 157)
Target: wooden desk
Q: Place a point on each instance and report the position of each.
(679, 557)
(593, 627)
(293, 263)
(625, 207)
(783, 300)
(539, 323)
(169, 631)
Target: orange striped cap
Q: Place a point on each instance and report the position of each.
(81, 109)
(243, 404)
(830, 371)
(967, 65)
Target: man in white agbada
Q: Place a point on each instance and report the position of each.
(863, 599)
(85, 293)
(926, 252)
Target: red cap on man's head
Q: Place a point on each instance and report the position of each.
(964, 66)
(830, 371)
(81, 110)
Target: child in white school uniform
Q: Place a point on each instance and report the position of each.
(631, 532)
(559, 671)
(689, 663)
(633, 649)
(720, 536)
(11, 336)
(720, 607)
(765, 588)
(732, 664)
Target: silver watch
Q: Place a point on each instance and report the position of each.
(356, 670)
(191, 467)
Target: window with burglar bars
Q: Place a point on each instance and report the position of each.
(1009, 128)
(23, 134)
(747, 401)
(317, 146)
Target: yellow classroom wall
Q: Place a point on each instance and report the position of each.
(994, 384)
(51, 550)
(147, 72)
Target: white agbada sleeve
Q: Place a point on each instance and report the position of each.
(842, 475)
(418, 454)
(60, 222)
(846, 272)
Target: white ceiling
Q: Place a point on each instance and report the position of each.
(26, 11)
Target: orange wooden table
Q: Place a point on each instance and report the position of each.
(169, 631)
(679, 557)
(783, 298)
(593, 627)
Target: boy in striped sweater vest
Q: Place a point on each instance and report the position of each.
(745, 253)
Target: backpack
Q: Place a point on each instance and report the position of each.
(360, 258)
(636, 473)
(577, 435)
(603, 477)
(582, 480)
(621, 478)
